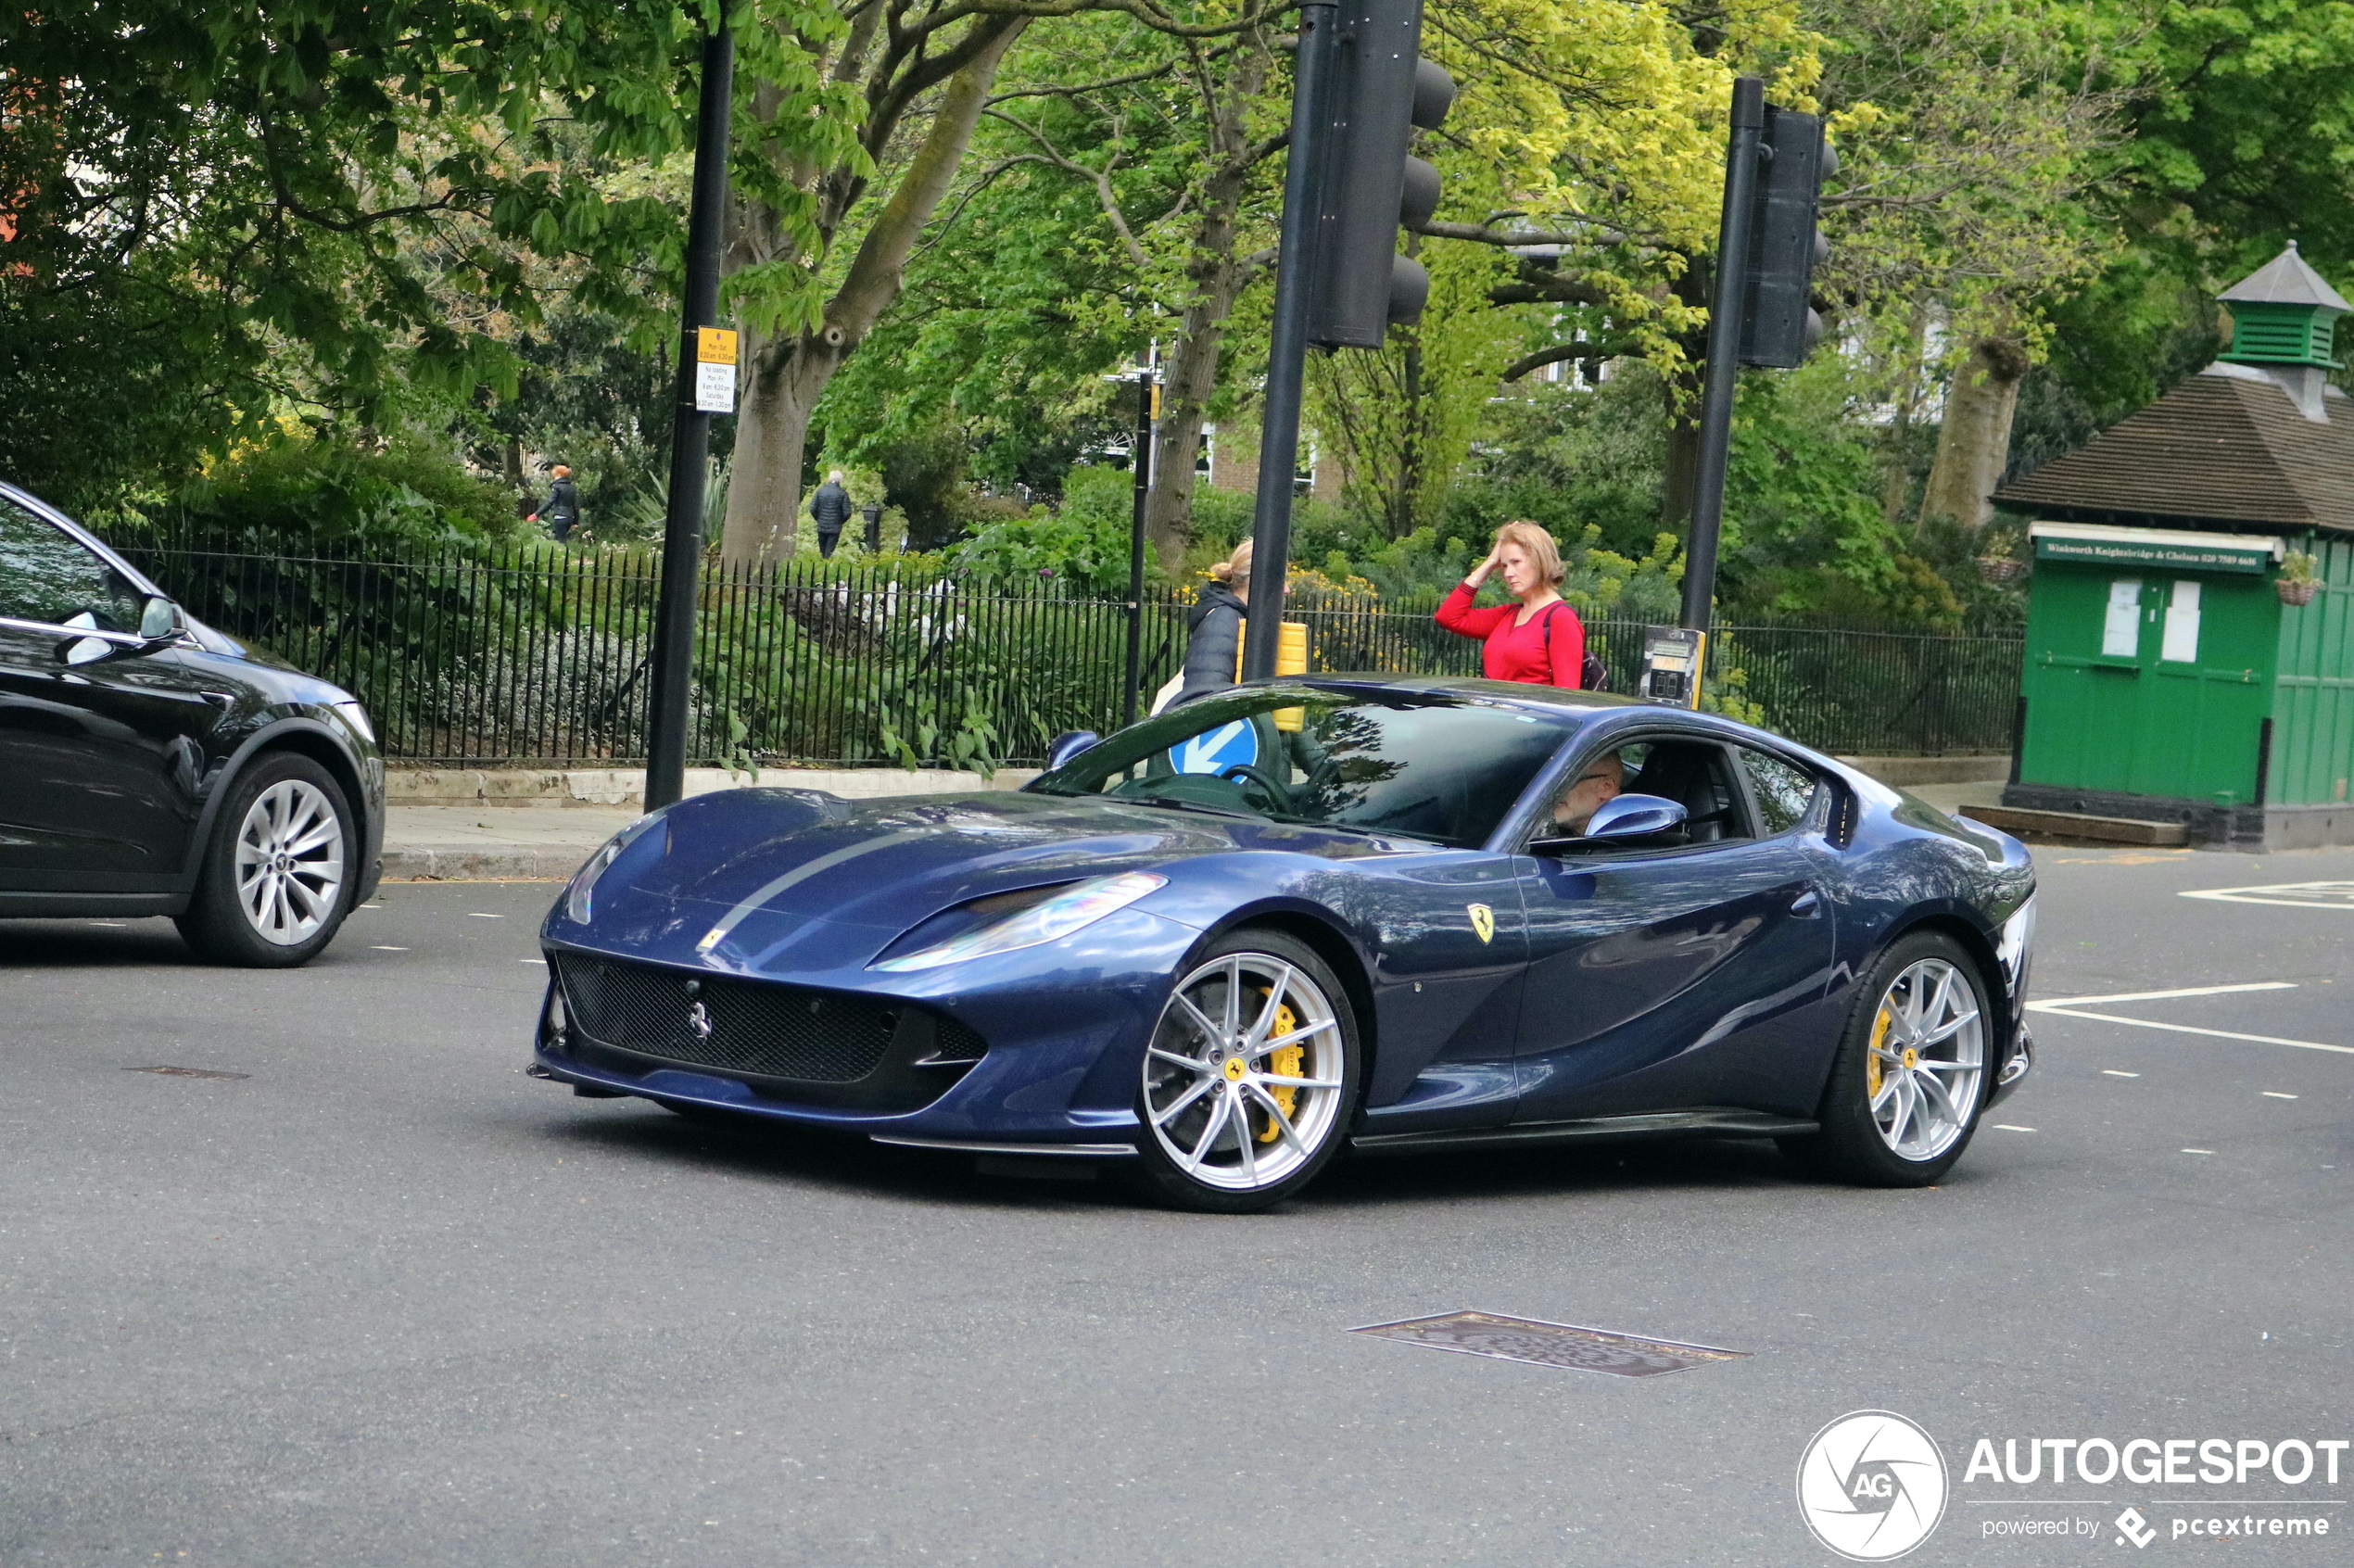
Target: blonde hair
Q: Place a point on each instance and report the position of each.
(1542, 552)
(1235, 565)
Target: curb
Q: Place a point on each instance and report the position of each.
(473, 863)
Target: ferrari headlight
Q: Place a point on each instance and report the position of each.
(580, 898)
(1077, 907)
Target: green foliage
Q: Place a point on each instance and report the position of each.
(358, 206)
(1083, 549)
(294, 495)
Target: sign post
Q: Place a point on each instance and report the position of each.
(707, 386)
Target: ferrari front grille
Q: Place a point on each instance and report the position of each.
(736, 1026)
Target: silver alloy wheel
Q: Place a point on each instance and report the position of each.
(1245, 1074)
(1928, 1053)
(289, 860)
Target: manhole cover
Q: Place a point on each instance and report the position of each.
(1550, 1345)
(188, 1072)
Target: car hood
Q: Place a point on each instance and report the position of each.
(892, 863)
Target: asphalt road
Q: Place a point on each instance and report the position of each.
(382, 1299)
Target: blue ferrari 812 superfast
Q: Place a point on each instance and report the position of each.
(1362, 914)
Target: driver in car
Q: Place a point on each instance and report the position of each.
(1602, 779)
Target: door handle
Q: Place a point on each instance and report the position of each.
(1806, 905)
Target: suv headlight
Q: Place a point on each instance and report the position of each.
(357, 716)
(1077, 907)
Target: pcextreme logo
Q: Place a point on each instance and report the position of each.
(1871, 1486)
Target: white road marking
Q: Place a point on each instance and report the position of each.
(110, 922)
(2297, 895)
(380, 947)
(540, 961)
(2213, 1033)
(2276, 1095)
(2007, 1126)
(2112, 1072)
(478, 915)
(2059, 1002)
(2198, 1151)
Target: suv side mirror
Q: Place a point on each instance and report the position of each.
(1067, 745)
(1619, 818)
(159, 619)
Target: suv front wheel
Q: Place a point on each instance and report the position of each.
(279, 873)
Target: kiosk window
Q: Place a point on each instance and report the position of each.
(2181, 646)
(2121, 629)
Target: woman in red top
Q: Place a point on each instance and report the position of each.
(1538, 639)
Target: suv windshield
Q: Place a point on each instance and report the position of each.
(1421, 766)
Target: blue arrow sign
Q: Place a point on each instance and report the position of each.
(1216, 751)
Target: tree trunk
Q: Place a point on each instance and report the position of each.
(790, 372)
(1215, 279)
(1975, 438)
(772, 429)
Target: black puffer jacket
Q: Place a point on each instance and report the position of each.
(1213, 637)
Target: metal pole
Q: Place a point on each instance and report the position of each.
(674, 648)
(1724, 350)
(1144, 466)
(1287, 350)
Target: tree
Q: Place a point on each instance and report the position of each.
(1970, 132)
(297, 194)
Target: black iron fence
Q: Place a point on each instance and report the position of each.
(541, 655)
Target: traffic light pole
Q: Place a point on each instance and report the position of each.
(1723, 350)
(674, 651)
(1287, 350)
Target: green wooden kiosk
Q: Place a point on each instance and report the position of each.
(2168, 678)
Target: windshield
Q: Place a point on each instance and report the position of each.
(1421, 766)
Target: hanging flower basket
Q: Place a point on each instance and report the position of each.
(2000, 568)
(2296, 593)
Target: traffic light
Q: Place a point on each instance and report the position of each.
(1778, 326)
(1366, 182)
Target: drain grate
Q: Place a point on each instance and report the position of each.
(188, 1072)
(1550, 1345)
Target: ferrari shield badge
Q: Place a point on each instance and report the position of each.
(1483, 921)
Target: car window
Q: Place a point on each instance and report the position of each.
(1785, 794)
(1424, 767)
(1696, 775)
(50, 576)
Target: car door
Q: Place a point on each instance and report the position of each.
(100, 742)
(1671, 975)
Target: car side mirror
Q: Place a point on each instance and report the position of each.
(160, 619)
(1067, 745)
(1619, 818)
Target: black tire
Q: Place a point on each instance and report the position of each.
(222, 923)
(1179, 1108)
(1881, 1147)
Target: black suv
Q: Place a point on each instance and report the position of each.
(150, 765)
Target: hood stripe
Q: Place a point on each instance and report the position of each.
(767, 890)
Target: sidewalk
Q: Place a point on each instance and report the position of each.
(515, 825)
(518, 825)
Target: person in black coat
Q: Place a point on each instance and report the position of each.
(831, 509)
(563, 510)
(1214, 628)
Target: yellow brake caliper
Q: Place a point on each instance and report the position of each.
(1871, 1061)
(1284, 1062)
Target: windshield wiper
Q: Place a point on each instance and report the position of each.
(1358, 828)
(1166, 803)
